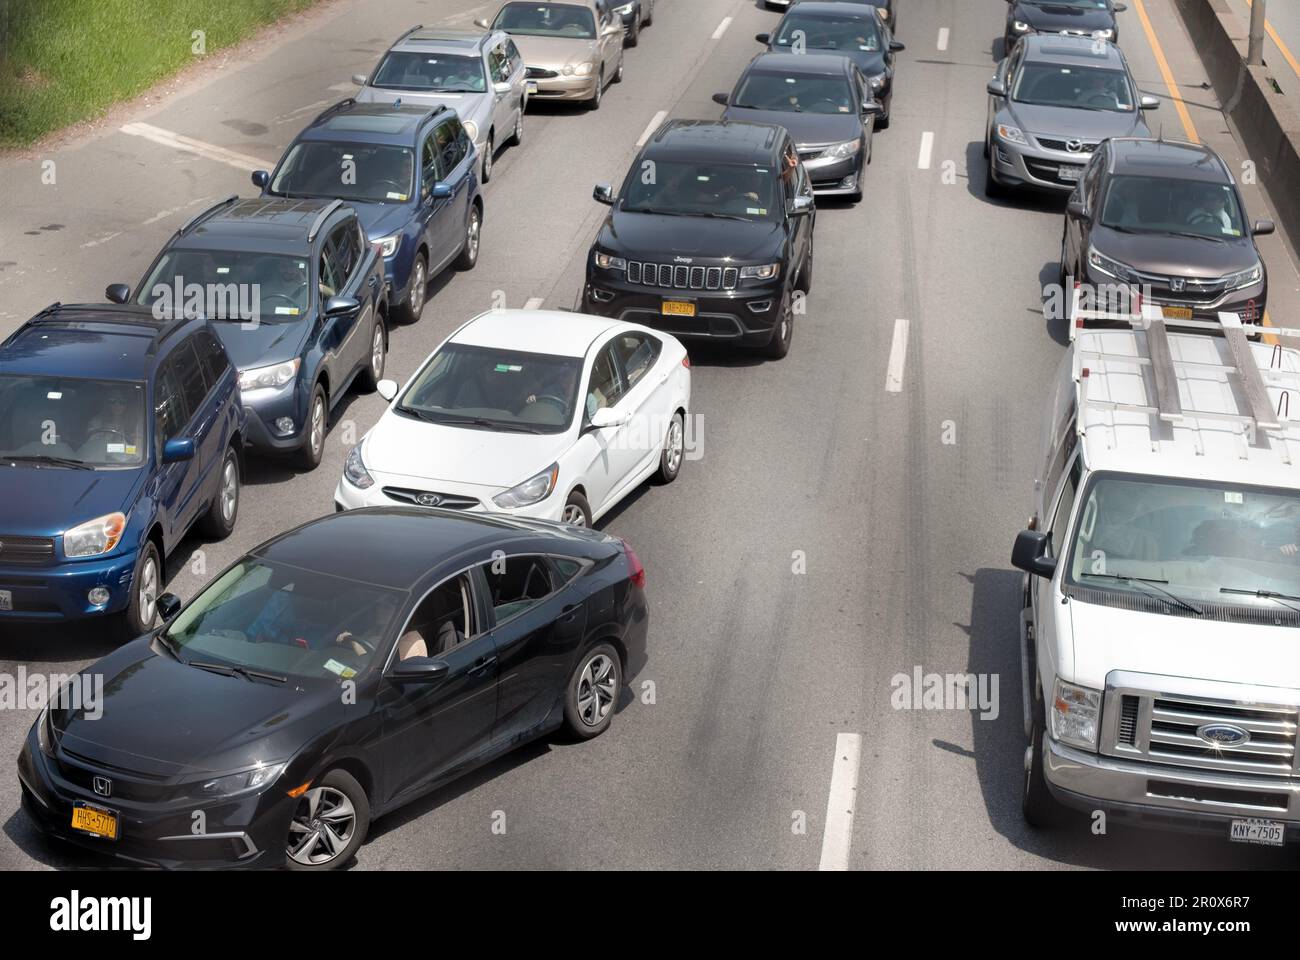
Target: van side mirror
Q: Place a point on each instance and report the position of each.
(997, 88)
(261, 178)
(720, 98)
(603, 193)
(117, 292)
(763, 37)
(1030, 554)
(1263, 228)
(178, 450)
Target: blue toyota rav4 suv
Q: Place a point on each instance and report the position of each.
(118, 433)
(298, 298)
(411, 174)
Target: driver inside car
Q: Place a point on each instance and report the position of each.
(113, 431)
(1212, 208)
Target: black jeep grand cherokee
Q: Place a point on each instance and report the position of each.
(710, 236)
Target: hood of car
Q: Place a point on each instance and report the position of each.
(1175, 256)
(46, 501)
(552, 53)
(407, 451)
(257, 345)
(870, 62)
(1055, 17)
(381, 219)
(468, 106)
(808, 129)
(649, 236)
(214, 723)
(1065, 123)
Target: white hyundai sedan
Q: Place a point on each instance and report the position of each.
(530, 412)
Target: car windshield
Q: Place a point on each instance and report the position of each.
(71, 422)
(440, 72)
(287, 621)
(349, 171)
(1192, 538)
(495, 389)
(795, 93)
(1159, 205)
(1079, 88)
(829, 33)
(227, 285)
(682, 188)
(547, 20)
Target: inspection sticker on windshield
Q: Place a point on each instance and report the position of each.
(756, 211)
(396, 196)
(344, 671)
(115, 448)
(508, 368)
(287, 311)
(1230, 497)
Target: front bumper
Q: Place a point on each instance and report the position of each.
(745, 315)
(1248, 303)
(1034, 168)
(262, 408)
(57, 593)
(563, 88)
(1165, 797)
(389, 491)
(244, 831)
(837, 177)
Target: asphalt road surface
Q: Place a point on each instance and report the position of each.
(849, 519)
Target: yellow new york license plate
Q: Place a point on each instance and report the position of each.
(678, 308)
(102, 823)
(1177, 313)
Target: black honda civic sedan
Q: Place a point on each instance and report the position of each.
(333, 674)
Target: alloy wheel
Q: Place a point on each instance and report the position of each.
(417, 289)
(596, 690)
(377, 354)
(148, 593)
(675, 445)
(229, 491)
(573, 515)
(322, 827)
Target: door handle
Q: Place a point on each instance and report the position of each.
(481, 664)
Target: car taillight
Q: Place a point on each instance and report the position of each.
(686, 361)
(635, 572)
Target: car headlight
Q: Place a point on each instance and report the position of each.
(276, 375)
(471, 128)
(584, 69)
(765, 271)
(1102, 34)
(1011, 134)
(607, 262)
(235, 783)
(567, 70)
(533, 490)
(44, 735)
(388, 245)
(95, 537)
(841, 150)
(878, 81)
(1020, 27)
(354, 470)
(1244, 279)
(1076, 714)
(1107, 266)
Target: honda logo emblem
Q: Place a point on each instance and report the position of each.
(1177, 284)
(104, 786)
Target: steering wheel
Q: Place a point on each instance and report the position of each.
(831, 102)
(557, 401)
(1202, 217)
(106, 431)
(285, 297)
(396, 187)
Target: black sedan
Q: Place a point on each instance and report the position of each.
(331, 675)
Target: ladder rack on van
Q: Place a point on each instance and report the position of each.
(1081, 317)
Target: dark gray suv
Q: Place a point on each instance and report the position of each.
(1166, 216)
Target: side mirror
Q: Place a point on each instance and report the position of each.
(1029, 554)
(261, 178)
(896, 46)
(603, 193)
(872, 108)
(482, 22)
(178, 450)
(339, 306)
(1120, 7)
(1263, 228)
(1075, 210)
(117, 292)
(387, 389)
(609, 417)
(721, 98)
(801, 206)
(997, 88)
(168, 605)
(359, 79)
(763, 37)
(502, 88)
(441, 190)
(418, 670)
(1149, 102)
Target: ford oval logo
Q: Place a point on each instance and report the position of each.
(1223, 735)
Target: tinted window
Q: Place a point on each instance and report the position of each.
(796, 93)
(227, 285)
(846, 33)
(515, 584)
(686, 188)
(605, 388)
(344, 250)
(189, 377)
(1088, 88)
(213, 357)
(637, 352)
(1159, 205)
(99, 422)
(349, 171)
(448, 145)
(169, 407)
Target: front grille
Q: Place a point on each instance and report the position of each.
(1128, 720)
(1063, 145)
(126, 784)
(26, 551)
(1051, 172)
(1195, 289)
(540, 73)
(679, 277)
(446, 501)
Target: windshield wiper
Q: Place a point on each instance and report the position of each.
(424, 415)
(720, 216)
(169, 645)
(1265, 595)
(1197, 236)
(658, 213)
(1154, 585)
(244, 672)
(68, 462)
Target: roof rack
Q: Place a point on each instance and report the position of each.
(321, 218)
(212, 209)
(333, 109)
(418, 26)
(1143, 312)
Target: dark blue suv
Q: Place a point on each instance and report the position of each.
(118, 433)
(412, 175)
(298, 298)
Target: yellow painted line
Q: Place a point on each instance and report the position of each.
(1166, 72)
(1269, 338)
(1290, 57)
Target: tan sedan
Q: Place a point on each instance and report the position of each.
(573, 49)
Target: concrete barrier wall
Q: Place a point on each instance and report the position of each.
(1266, 124)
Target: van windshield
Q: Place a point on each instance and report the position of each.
(1195, 540)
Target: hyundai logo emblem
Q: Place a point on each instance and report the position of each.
(1177, 284)
(1074, 146)
(428, 499)
(103, 786)
(1223, 735)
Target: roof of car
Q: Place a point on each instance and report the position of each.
(1071, 50)
(554, 332)
(1175, 159)
(258, 225)
(426, 38)
(103, 341)
(353, 122)
(717, 141)
(841, 7)
(808, 64)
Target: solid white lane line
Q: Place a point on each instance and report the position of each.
(210, 150)
(534, 302)
(342, 87)
(722, 28)
(943, 38)
(897, 358)
(650, 129)
(927, 148)
(837, 837)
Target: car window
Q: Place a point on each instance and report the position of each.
(343, 248)
(499, 63)
(1087, 88)
(169, 405)
(1061, 518)
(441, 72)
(371, 173)
(829, 32)
(792, 92)
(637, 352)
(442, 621)
(189, 376)
(448, 147)
(213, 357)
(516, 583)
(605, 387)
(516, 59)
(547, 20)
(566, 569)
(1157, 204)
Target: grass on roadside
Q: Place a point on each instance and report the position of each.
(62, 61)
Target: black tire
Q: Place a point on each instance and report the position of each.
(140, 615)
(342, 782)
(633, 38)
(883, 122)
(674, 449)
(219, 522)
(987, 137)
(618, 74)
(411, 308)
(1037, 804)
(782, 332)
(803, 283)
(592, 693)
(517, 137)
(577, 510)
(369, 378)
(488, 150)
(594, 102)
(650, 19)
(314, 430)
(473, 229)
